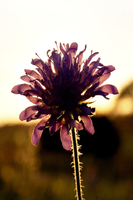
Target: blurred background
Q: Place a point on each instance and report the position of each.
(44, 172)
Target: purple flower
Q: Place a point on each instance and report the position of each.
(60, 90)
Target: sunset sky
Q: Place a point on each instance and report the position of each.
(28, 27)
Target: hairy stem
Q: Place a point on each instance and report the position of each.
(76, 164)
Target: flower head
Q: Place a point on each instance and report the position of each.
(60, 90)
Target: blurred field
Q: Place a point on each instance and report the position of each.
(44, 172)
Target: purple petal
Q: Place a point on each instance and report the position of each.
(73, 46)
(57, 61)
(75, 124)
(67, 61)
(111, 89)
(65, 137)
(38, 131)
(45, 80)
(33, 74)
(73, 49)
(103, 78)
(109, 68)
(37, 62)
(85, 110)
(84, 74)
(62, 49)
(89, 92)
(54, 127)
(34, 117)
(80, 56)
(28, 112)
(20, 89)
(89, 59)
(34, 99)
(32, 92)
(93, 66)
(98, 92)
(88, 124)
(67, 47)
(27, 79)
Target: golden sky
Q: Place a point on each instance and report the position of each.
(30, 26)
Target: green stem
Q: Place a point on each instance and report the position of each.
(76, 162)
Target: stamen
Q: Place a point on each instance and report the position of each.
(57, 46)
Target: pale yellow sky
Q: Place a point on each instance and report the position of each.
(30, 26)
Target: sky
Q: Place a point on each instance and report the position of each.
(28, 27)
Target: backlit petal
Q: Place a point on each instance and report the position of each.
(33, 74)
(34, 99)
(38, 131)
(80, 55)
(37, 62)
(27, 79)
(88, 124)
(75, 124)
(109, 68)
(73, 49)
(28, 112)
(103, 78)
(89, 59)
(65, 137)
(53, 128)
(111, 89)
(20, 89)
